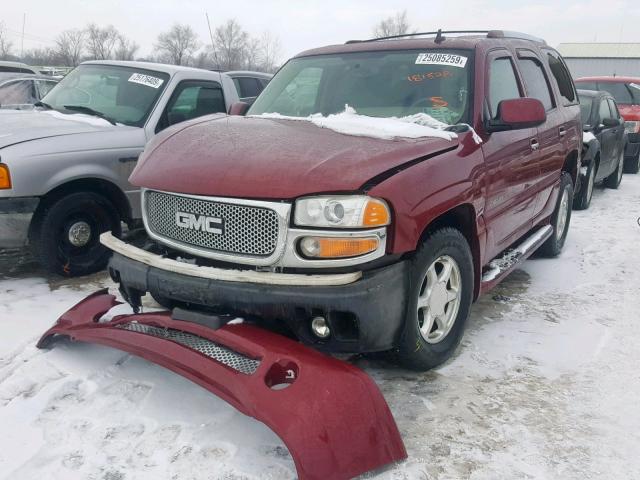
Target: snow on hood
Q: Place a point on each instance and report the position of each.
(79, 117)
(350, 122)
(587, 137)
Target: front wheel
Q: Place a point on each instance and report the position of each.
(614, 180)
(439, 298)
(583, 199)
(66, 237)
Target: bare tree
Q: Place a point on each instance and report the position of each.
(126, 49)
(101, 41)
(178, 44)
(69, 47)
(231, 44)
(394, 25)
(42, 56)
(270, 51)
(5, 44)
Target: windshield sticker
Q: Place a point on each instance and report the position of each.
(419, 77)
(441, 59)
(635, 85)
(438, 102)
(146, 80)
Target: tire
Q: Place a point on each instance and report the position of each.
(583, 199)
(66, 236)
(632, 165)
(553, 245)
(613, 181)
(423, 351)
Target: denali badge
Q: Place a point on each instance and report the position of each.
(199, 222)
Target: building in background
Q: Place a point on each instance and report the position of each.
(589, 59)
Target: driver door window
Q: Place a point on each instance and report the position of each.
(191, 100)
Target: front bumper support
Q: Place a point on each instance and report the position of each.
(331, 415)
(15, 219)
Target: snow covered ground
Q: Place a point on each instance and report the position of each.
(545, 386)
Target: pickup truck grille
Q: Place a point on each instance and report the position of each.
(227, 228)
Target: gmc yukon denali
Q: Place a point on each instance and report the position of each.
(370, 194)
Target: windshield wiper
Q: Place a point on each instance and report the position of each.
(43, 105)
(90, 111)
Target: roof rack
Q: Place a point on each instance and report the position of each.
(440, 35)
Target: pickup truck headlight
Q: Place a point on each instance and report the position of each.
(5, 177)
(631, 126)
(357, 211)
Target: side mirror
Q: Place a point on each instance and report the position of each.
(518, 113)
(610, 122)
(238, 108)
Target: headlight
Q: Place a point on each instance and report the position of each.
(5, 178)
(632, 126)
(356, 211)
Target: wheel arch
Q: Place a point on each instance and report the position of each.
(96, 185)
(462, 218)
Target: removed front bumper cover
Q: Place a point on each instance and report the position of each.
(332, 417)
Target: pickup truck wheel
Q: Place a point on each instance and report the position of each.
(632, 165)
(67, 237)
(613, 180)
(441, 291)
(583, 199)
(560, 219)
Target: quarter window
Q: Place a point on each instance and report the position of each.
(562, 78)
(535, 81)
(503, 84)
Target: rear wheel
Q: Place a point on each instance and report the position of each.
(614, 180)
(67, 235)
(560, 219)
(583, 199)
(441, 291)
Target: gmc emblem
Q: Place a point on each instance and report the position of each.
(200, 222)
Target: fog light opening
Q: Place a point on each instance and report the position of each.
(320, 328)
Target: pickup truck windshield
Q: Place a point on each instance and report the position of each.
(121, 94)
(377, 84)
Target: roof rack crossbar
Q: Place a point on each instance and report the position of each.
(439, 34)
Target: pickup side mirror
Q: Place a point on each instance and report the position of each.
(610, 122)
(238, 108)
(518, 113)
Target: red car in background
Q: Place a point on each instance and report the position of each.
(626, 91)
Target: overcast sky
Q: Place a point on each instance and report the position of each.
(302, 24)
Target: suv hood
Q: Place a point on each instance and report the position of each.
(264, 158)
(18, 126)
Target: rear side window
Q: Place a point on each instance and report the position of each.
(247, 86)
(535, 81)
(503, 84)
(585, 108)
(562, 78)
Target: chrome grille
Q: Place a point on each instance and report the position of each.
(211, 349)
(247, 230)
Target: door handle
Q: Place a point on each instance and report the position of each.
(534, 144)
(562, 132)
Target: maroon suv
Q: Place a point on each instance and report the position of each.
(352, 240)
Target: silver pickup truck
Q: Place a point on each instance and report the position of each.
(64, 167)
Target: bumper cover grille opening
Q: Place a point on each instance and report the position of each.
(223, 355)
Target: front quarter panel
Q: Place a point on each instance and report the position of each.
(423, 192)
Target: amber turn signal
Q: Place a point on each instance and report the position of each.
(5, 178)
(376, 213)
(327, 247)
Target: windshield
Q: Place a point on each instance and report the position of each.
(585, 109)
(377, 84)
(122, 94)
